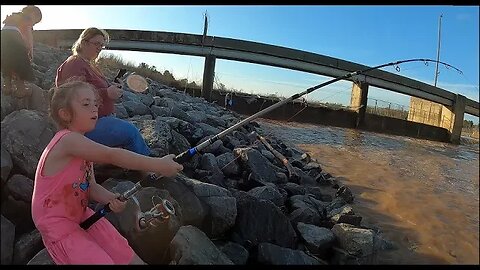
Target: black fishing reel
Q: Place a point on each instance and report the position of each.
(161, 211)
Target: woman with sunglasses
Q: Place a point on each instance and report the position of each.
(109, 130)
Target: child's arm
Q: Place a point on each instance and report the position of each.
(76, 145)
(100, 194)
(97, 192)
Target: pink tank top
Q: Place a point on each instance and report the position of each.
(59, 201)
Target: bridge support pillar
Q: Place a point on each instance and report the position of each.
(358, 101)
(457, 113)
(208, 76)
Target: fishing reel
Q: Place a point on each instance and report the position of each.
(162, 210)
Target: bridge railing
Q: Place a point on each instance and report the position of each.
(212, 47)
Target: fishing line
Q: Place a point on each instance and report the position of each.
(189, 153)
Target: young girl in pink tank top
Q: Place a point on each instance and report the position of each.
(65, 183)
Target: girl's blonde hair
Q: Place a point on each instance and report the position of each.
(86, 35)
(61, 98)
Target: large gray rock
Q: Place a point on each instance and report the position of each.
(345, 193)
(157, 134)
(335, 204)
(172, 93)
(185, 106)
(345, 210)
(257, 165)
(19, 212)
(273, 254)
(47, 59)
(136, 108)
(209, 163)
(191, 132)
(7, 104)
(223, 211)
(212, 148)
(344, 214)
(26, 247)
(197, 116)
(355, 241)
(8, 236)
(215, 122)
(38, 100)
(222, 206)
(42, 258)
(228, 164)
(231, 142)
(235, 252)
(304, 178)
(129, 95)
(178, 145)
(269, 192)
(261, 221)
(241, 136)
(20, 187)
(306, 209)
(208, 129)
(120, 111)
(191, 246)
(6, 165)
(313, 169)
(268, 155)
(137, 118)
(317, 239)
(25, 134)
(159, 111)
(293, 189)
(164, 102)
(318, 194)
(173, 109)
(146, 99)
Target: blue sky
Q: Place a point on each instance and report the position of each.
(369, 35)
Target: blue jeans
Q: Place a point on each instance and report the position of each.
(115, 132)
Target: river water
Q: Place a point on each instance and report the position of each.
(423, 195)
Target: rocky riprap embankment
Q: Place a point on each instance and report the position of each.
(234, 202)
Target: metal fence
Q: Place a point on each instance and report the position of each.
(472, 132)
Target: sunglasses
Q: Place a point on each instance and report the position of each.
(97, 44)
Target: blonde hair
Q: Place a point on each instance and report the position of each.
(61, 98)
(86, 35)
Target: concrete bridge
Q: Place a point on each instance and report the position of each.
(452, 105)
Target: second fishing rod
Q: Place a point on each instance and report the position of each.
(188, 154)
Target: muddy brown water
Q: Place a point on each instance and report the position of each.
(423, 195)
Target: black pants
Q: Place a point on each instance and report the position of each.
(14, 56)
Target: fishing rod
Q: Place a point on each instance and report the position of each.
(185, 156)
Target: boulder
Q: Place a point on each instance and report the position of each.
(191, 246)
(261, 221)
(25, 134)
(273, 254)
(8, 236)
